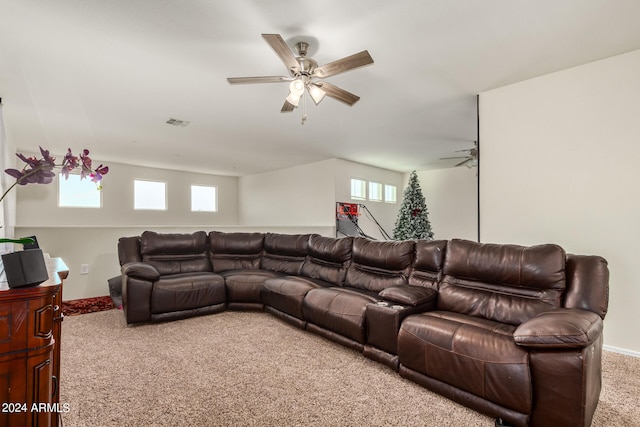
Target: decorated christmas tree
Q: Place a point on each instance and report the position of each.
(413, 218)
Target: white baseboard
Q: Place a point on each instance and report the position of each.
(621, 350)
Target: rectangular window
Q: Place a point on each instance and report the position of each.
(358, 189)
(375, 191)
(78, 193)
(149, 195)
(203, 199)
(390, 194)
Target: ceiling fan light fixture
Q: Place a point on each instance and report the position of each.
(297, 87)
(316, 93)
(293, 99)
(296, 90)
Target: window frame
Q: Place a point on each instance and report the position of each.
(375, 187)
(363, 184)
(63, 181)
(215, 198)
(395, 193)
(165, 200)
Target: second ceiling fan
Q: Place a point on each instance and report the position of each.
(470, 160)
(306, 75)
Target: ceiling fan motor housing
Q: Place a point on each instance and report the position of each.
(302, 48)
(307, 65)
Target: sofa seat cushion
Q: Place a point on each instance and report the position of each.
(287, 293)
(341, 310)
(245, 285)
(477, 355)
(187, 291)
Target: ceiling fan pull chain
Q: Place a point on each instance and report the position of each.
(304, 109)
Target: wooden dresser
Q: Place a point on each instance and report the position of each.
(30, 327)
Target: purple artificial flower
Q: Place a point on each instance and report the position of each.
(46, 158)
(40, 171)
(86, 164)
(30, 161)
(36, 171)
(69, 163)
(96, 176)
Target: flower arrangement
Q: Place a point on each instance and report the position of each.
(41, 171)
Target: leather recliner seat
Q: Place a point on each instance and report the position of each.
(498, 325)
(171, 278)
(246, 260)
(325, 266)
(341, 309)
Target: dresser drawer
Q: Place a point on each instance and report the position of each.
(27, 323)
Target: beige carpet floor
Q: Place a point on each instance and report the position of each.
(251, 369)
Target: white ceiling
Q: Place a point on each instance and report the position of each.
(107, 74)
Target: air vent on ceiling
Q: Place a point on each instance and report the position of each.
(179, 123)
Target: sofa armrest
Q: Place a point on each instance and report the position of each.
(141, 270)
(409, 295)
(560, 328)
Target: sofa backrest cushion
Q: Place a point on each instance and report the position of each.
(587, 283)
(505, 283)
(284, 253)
(328, 259)
(428, 263)
(175, 253)
(235, 251)
(129, 250)
(376, 265)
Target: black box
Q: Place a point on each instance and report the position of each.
(25, 268)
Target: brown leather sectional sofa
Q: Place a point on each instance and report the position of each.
(513, 332)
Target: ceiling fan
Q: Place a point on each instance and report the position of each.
(305, 74)
(470, 160)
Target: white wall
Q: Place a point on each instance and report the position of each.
(452, 200)
(301, 195)
(559, 163)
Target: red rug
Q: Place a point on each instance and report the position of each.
(87, 305)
